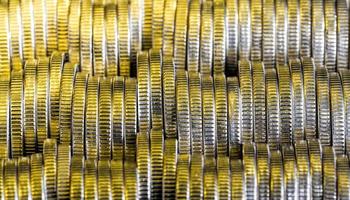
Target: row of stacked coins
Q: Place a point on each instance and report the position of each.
(208, 36)
(302, 170)
(52, 98)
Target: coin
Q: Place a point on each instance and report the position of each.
(258, 73)
(98, 41)
(50, 168)
(250, 172)
(315, 168)
(257, 17)
(224, 174)
(331, 35)
(182, 177)
(36, 176)
(196, 176)
(90, 179)
(193, 47)
(220, 86)
(117, 179)
(65, 109)
(343, 174)
(130, 180)
(144, 165)
(130, 117)
(86, 23)
(210, 179)
(10, 177)
(195, 97)
(105, 119)
(303, 167)
(246, 92)
(169, 168)
(15, 27)
(337, 113)
(30, 112)
(281, 32)
(157, 156)
(91, 121)
(104, 179)
(293, 29)
(219, 37)
(323, 105)
(264, 171)
(155, 64)
(329, 173)
(318, 31)
(74, 30)
(62, 24)
(309, 97)
(169, 97)
(345, 78)
(43, 80)
(78, 112)
(118, 119)
(298, 123)
(157, 23)
(168, 26)
(39, 27)
(206, 44)
(290, 172)
(231, 36)
(273, 127)
(342, 34)
(111, 30)
(183, 112)
(57, 60)
(269, 32)
(124, 38)
(180, 34)
(143, 91)
(286, 103)
(51, 27)
(209, 121)
(237, 179)
(23, 177)
(77, 177)
(17, 114)
(234, 115)
(147, 24)
(276, 179)
(305, 27)
(64, 160)
(27, 24)
(245, 35)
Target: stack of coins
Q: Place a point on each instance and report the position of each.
(209, 36)
(303, 170)
(164, 99)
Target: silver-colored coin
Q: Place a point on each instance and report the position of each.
(195, 96)
(234, 114)
(259, 98)
(245, 35)
(209, 117)
(343, 177)
(337, 113)
(277, 175)
(309, 97)
(231, 37)
(206, 44)
(330, 35)
(250, 170)
(318, 31)
(183, 111)
(263, 171)
(281, 32)
(345, 78)
(219, 37)
(193, 43)
(246, 91)
(269, 34)
(257, 17)
(342, 34)
(323, 105)
(329, 173)
(305, 27)
(155, 64)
